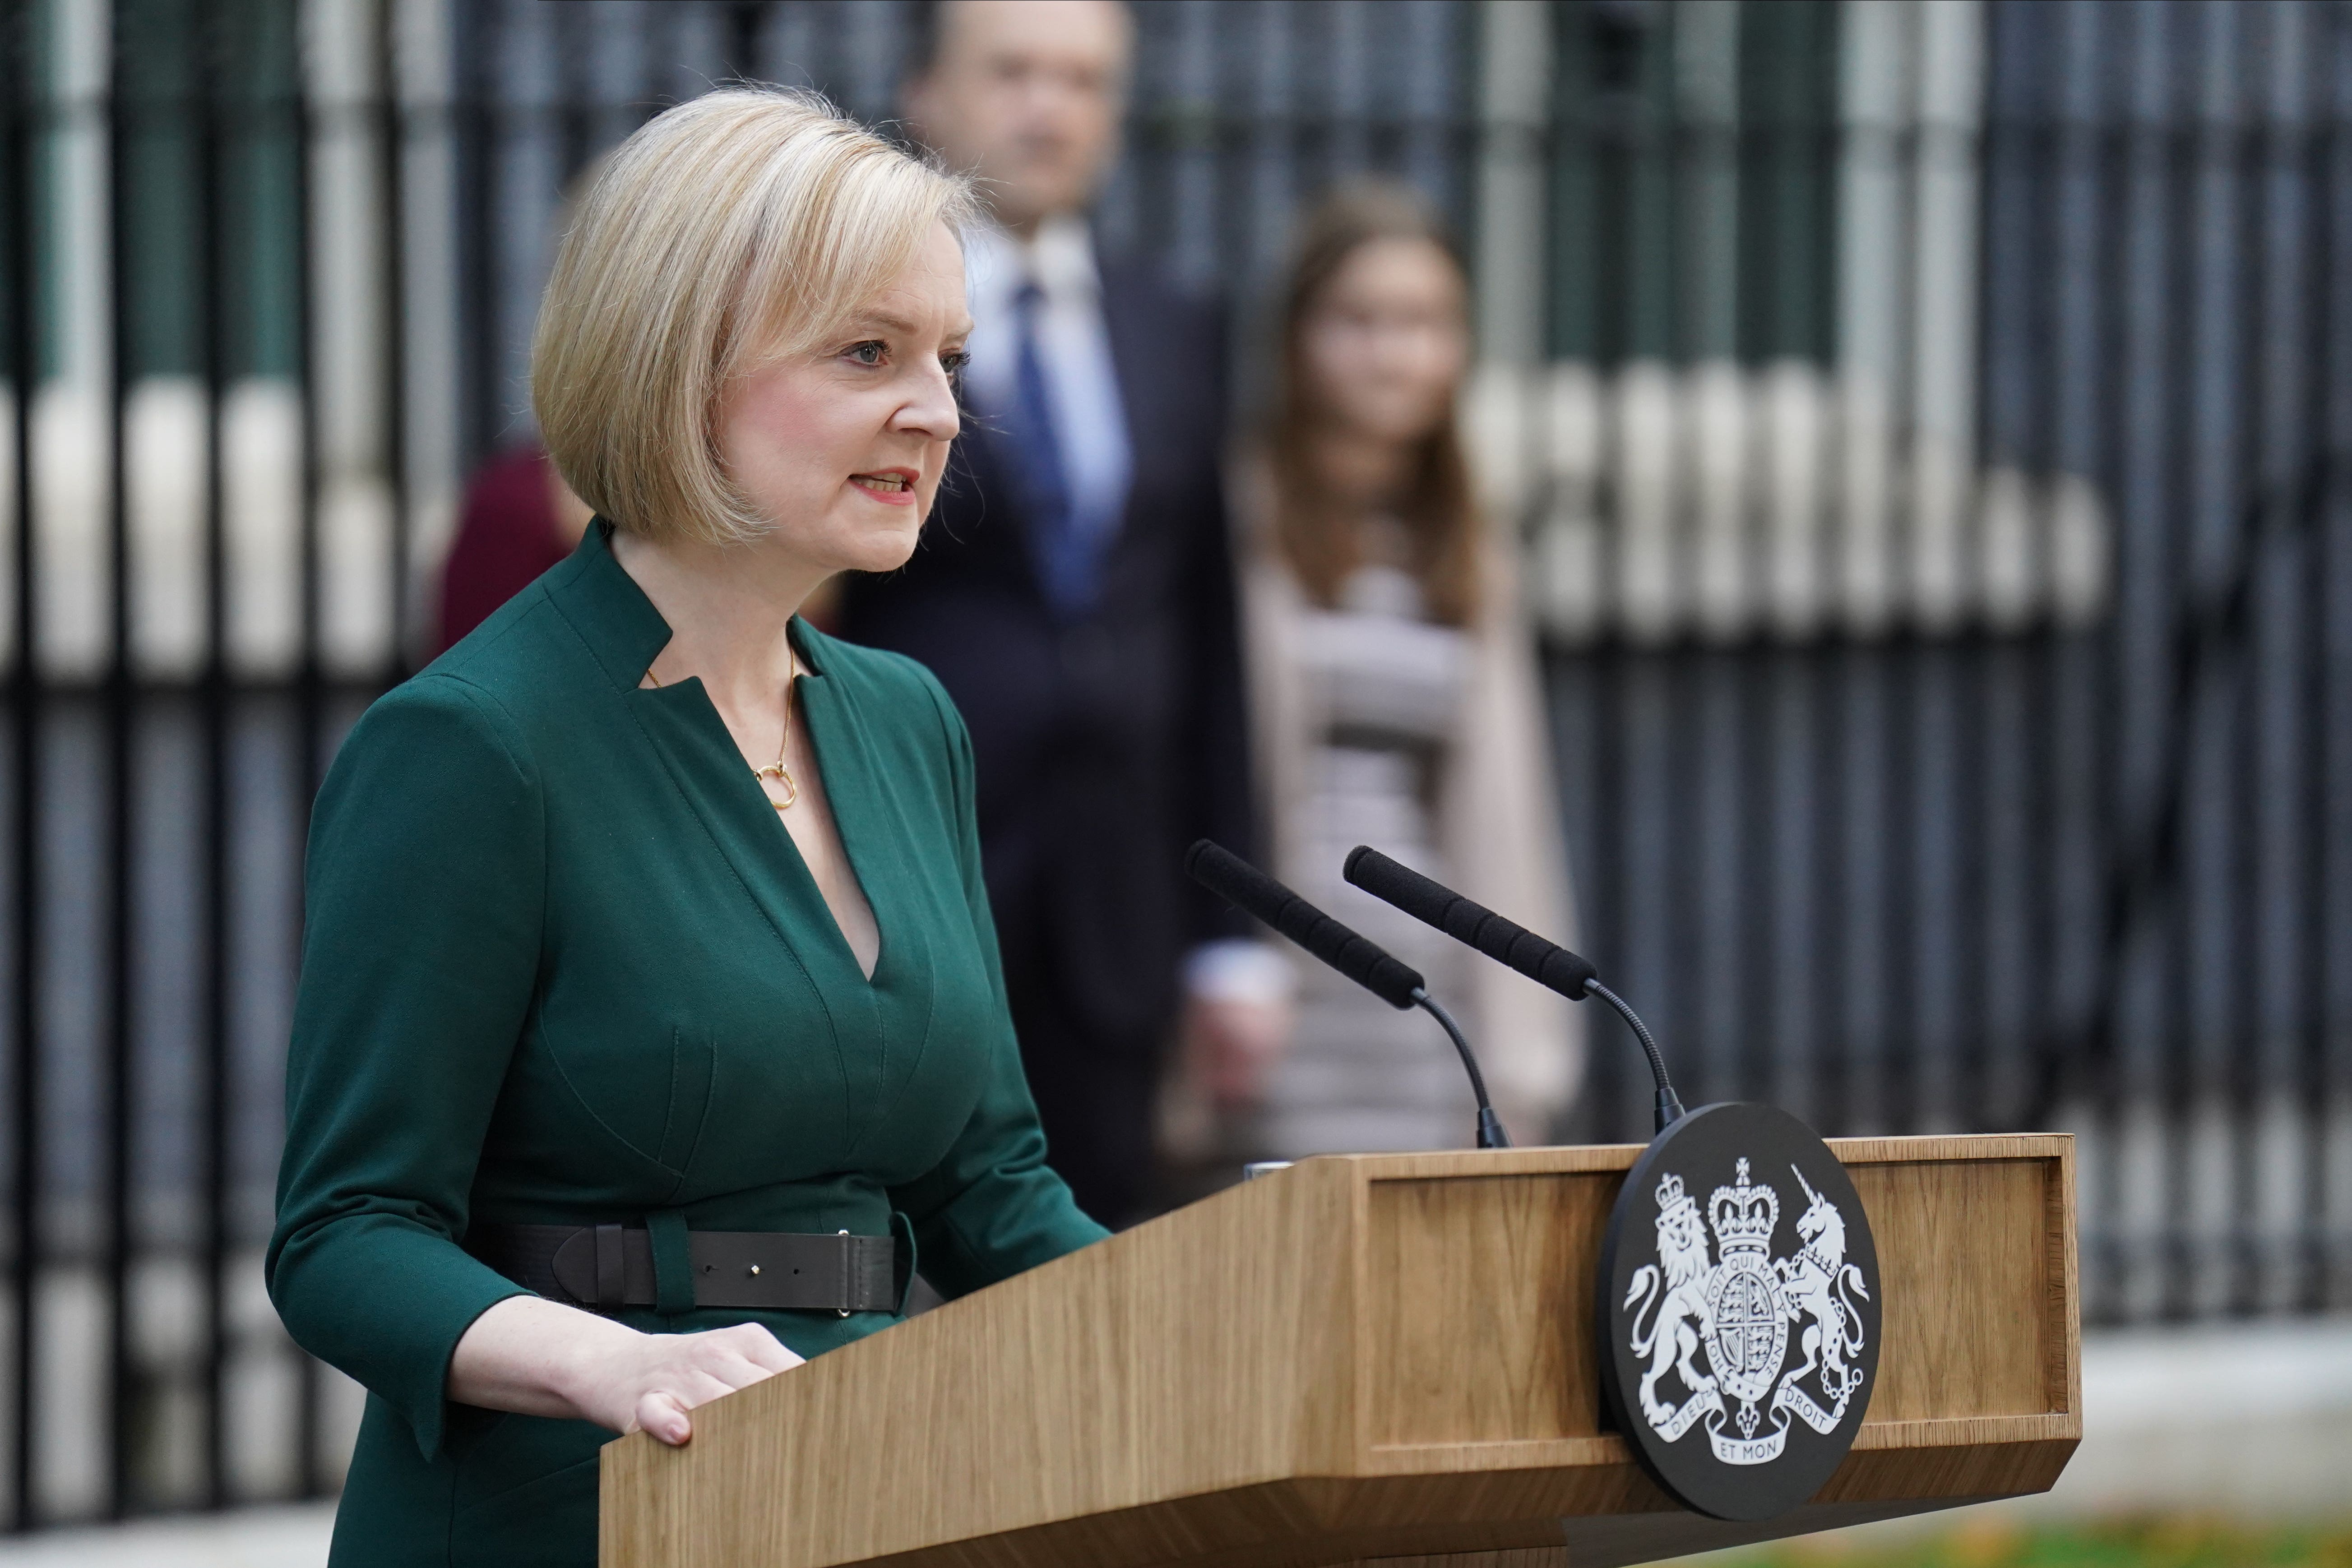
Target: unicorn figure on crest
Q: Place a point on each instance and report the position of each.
(1821, 1286)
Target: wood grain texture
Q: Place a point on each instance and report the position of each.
(1361, 1358)
(1503, 1263)
(1967, 1292)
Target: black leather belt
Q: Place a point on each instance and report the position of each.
(605, 1268)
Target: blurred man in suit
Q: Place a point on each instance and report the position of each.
(1075, 595)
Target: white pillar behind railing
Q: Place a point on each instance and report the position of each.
(74, 617)
(262, 525)
(164, 464)
(1792, 419)
(345, 78)
(165, 436)
(73, 607)
(1944, 564)
(1707, 114)
(1704, 529)
(1643, 449)
(425, 94)
(1514, 57)
(1873, 299)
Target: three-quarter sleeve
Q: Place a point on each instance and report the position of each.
(425, 885)
(992, 1207)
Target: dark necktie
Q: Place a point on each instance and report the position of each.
(1065, 555)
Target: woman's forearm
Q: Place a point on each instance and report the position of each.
(532, 1356)
(536, 1357)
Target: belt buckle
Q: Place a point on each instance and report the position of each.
(848, 1279)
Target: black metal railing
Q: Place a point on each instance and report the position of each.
(2047, 827)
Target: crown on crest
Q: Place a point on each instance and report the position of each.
(1743, 1215)
(1671, 1195)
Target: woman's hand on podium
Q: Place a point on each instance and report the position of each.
(536, 1357)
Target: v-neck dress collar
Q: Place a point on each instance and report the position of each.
(625, 633)
(619, 623)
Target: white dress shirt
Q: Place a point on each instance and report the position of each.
(1073, 350)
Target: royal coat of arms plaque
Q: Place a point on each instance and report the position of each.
(1739, 1311)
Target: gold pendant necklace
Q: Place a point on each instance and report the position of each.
(776, 770)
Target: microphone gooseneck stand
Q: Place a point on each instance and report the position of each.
(1254, 892)
(1505, 942)
(1490, 1128)
(1668, 1107)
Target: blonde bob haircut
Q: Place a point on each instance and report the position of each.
(739, 227)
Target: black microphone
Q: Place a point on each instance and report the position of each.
(1505, 942)
(1254, 892)
(1545, 962)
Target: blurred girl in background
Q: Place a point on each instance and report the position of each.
(1395, 698)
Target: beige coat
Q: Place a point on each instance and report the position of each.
(1496, 817)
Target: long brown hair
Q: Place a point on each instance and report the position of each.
(1318, 538)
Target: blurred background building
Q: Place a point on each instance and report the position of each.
(1930, 421)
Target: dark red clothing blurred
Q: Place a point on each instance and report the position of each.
(507, 535)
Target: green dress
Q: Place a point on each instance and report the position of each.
(561, 964)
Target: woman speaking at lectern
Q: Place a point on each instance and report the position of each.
(649, 1019)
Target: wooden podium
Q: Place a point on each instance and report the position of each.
(1366, 1358)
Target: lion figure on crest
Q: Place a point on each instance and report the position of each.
(1821, 1286)
(1682, 1314)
